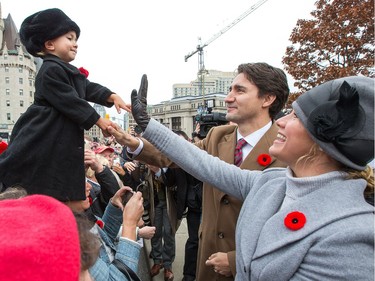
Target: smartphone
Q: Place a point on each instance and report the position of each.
(116, 161)
(126, 197)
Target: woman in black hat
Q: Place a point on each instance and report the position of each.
(46, 149)
(308, 221)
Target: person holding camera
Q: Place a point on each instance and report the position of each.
(257, 94)
(125, 248)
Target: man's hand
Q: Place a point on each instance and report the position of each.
(118, 169)
(130, 166)
(92, 161)
(147, 232)
(103, 125)
(131, 215)
(220, 263)
(123, 137)
(139, 104)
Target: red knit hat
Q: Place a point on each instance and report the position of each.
(38, 240)
(3, 146)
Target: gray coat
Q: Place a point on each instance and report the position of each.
(336, 243)
(46, 149)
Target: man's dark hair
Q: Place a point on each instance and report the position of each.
(89, 242)
(269, 80)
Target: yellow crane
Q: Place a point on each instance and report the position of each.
(199, 49)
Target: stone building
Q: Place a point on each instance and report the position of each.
(17, 76)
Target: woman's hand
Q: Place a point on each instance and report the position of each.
(139, 104)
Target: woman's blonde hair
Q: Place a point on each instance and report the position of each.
(367, 174)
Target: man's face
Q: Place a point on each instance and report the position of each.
(108, 154)
(242, 101)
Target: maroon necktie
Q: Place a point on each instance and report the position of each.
(238, 152)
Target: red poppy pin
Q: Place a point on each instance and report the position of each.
(84, 71)
(295, 220)
(264, 159)
(100, 223)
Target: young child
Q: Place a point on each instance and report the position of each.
(46, 149)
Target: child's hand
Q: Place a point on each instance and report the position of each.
(119, 103)
(103, 125)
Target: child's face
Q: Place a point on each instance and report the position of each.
(65, 46)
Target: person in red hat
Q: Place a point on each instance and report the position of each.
(46, 149)
(39, 240)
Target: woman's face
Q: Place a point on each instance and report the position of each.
(82, 205)
(292, 140)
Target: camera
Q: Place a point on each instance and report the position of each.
(126, 197)
(209, 120)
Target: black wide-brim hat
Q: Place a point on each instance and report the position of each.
(43, 26)
(339, 116)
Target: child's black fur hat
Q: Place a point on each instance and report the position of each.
(43, 26)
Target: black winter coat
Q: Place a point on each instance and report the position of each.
(46, 150)
(188, 192)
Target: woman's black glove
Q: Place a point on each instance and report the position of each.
(139, 104)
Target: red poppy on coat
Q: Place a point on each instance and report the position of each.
(264, 159)
(295, 220)
(90, 200)
(3, 146)
(84, 71)
(100, 223)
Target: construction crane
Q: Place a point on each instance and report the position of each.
(199, 49)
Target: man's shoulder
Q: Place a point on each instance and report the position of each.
(223, 130)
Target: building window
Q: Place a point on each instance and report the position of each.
(8, 116)
(31, 94)
(21, 103)
(20, 69)
(21, 58)
(21, 92)
(7, 92)
(6, 80)
(176, 123)
(20, 80)
(7, 69)
(5, 56)
(8, 102)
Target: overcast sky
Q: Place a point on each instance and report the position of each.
(120, 42)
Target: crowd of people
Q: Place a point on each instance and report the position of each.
(268, 196)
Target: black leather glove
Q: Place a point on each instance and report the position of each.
(139, 104)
